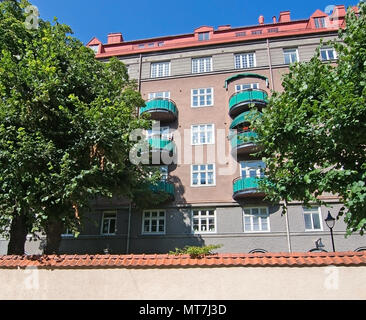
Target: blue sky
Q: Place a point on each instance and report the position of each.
(139, 19)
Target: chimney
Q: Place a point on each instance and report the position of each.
(284, 16)
(338, 12)
(274, 19)
(261, 19)
(224, 27)
(115, 38)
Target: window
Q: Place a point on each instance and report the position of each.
(240, 34)
(95, 48)
(202, 97)
(203, 134)
(203, 175)
(319, 23)
(109, 223)
(161, 44)
(252, 169)
(204, 221)
(257, 32)
(272, 30)
(328, 54)
(164, 171)
(291, 55)
(141, 46)
(245, 60)
(160, 69)
(67, 233)
(153, 222)
(163, 133)
(200, 65)
(202, 36)
(162, 94)
(256, 220)
(312, 219)
(241, 87)
(151, 45)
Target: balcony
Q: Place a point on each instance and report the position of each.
(244, 119)
(246, 188)
(160, 148)
(160, 109)
(241, 101)
(164, 187)
(244, 143)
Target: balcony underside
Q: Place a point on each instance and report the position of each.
(245, 149)
(165, 188)
(248, 194)
(244, 106)
(161, 115)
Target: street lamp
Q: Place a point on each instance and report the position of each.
(330, 221)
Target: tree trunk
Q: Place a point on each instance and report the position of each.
(53, 230)
(18, 235)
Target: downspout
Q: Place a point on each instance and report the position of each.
(288, 229)
(128, 230)
(270, 65)
(139, 82)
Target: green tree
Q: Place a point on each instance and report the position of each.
(65, 123)
(314, 133)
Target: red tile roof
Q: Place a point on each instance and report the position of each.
(171, 261)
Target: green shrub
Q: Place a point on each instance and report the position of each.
(196, 252)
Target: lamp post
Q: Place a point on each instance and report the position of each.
(330, 221)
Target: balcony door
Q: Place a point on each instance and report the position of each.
(252, 169)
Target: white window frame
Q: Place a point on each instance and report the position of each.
(67, 234)
(244, 57)
(160, 94)
(254, 85)
(163, 133)
(199, 95)
(160, 69)
(287, 51)
(245, 166)
(201, 217)
(320, 23)
(311, 211)
(260, 217)
(205, 131)
(150, 219)
(95, 48)
(202, 65)
(204, 36)
(205, 171)
(109, 224)
(327, 49)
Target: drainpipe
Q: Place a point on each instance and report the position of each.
(288, 229)
(128, 230)
(270, 65)
(139, 82)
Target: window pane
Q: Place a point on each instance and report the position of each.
(255, 223)
(264, 224)
(308, 225)
(316, 221)
(112, 226)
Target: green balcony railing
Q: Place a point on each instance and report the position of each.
(245, 117)
(248, 96)
(163, 186)
(243, 138)
(160, 104)
(161, 144)
(245, 184)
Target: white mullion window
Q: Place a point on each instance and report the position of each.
(291, 55)
(245, 86)
(204, 221)
(153, 222)
(200, 65)
(328, 54)
(312, 218)
(203, 134)
(109, 223)
(319, 23)
(256, 220)
(162, 133)
(161, 94)
(245, 60)
(160, 69)
(203, 175)
(202, 97)
(252, 169)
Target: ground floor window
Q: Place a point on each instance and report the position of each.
(153, 222)
(204, 221)
(109, 223)
(256, 220)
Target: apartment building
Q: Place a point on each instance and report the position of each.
(199, 88)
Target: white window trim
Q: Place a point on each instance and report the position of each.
(203, 232)
(312, 222)
(115, 226)
(145, 233)
(326, 49)
(268, 220)
(213, 134)
(205, 71)
(204, 185)
(258, 173)
(244, 53)
(206, 105)
(153, 95)
(297, 55)
(157, 73)
(251, 86)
